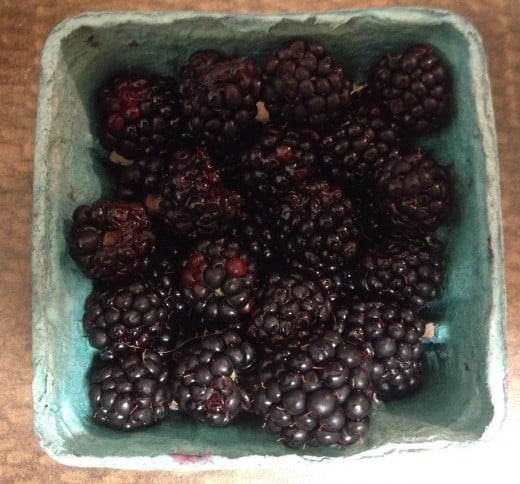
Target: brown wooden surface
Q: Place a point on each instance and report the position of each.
(24, 25)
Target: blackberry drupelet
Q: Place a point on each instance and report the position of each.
(304, 87)
(220, 284)
(131, 391)
(317, 393)
(412, 194)
(110, 239)
(132, 316)
(140, 115)
(192, 202)
(205, 377)
(318, 226)
(397, 272)
(414, 86)
(219, 96)
(290, 306)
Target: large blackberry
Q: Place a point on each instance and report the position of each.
(109, 240)
(412, 193)
(279, 160)
(317, 225)
(291, 306)
(219, 283)
(219, 96)
(397, 272)
(133, 316)
(317, 393)
(205, 377)
(414, 86)
(140, 115)
(192, 202)
(131, 391)
(392, 333)
(303, 86)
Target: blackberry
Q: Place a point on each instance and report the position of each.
(318, 226)
(318, 393)
(140, 115)
(412, 193)
(392, 333)
(280, 159)
(414, 86)
(406, 273)
(192, 202)
(219, 96)
(205, 378)
(131, 391)
(352, 150)
(110, 239)
(132, 316)
(219, 283)
(291, 306)
(304, 87)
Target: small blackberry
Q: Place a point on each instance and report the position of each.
(318, 393)
(219, 283)
(412, 194)
(304, 87)
(140, 115)
(109, 240)
(205, 377)
(219, 97)
(131, 391)
(414, 86)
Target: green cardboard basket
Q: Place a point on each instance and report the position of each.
(463, 401)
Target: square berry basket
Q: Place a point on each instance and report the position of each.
(463, 400)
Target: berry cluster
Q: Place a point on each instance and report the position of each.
(271, 242)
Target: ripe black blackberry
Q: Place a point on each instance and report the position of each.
(192, 202)
(219, 96)
(290, 306)
(316, 393)
(205, 377)
(392, 333)
(140, 115)
(131, 316)
(219, 283)
(317, 225)
(280, 159)
(304, 87)
(397, 272)
(414, 86)
(351, 151)
(110, 239)
(412, 194)
(131, 391)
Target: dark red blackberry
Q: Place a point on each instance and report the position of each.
(414, 86)
(317, 393)
(205, 377)
(140, 115)
(317, 225)
(406, 273)
(192, 202)
(131, 391)
(219, 96)
(109, 240)
(291, 306)
(132, 316)
(412, 194)
(352, 150)
(279, 160)
(392, 333)
(303, 86)
(219, 283)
